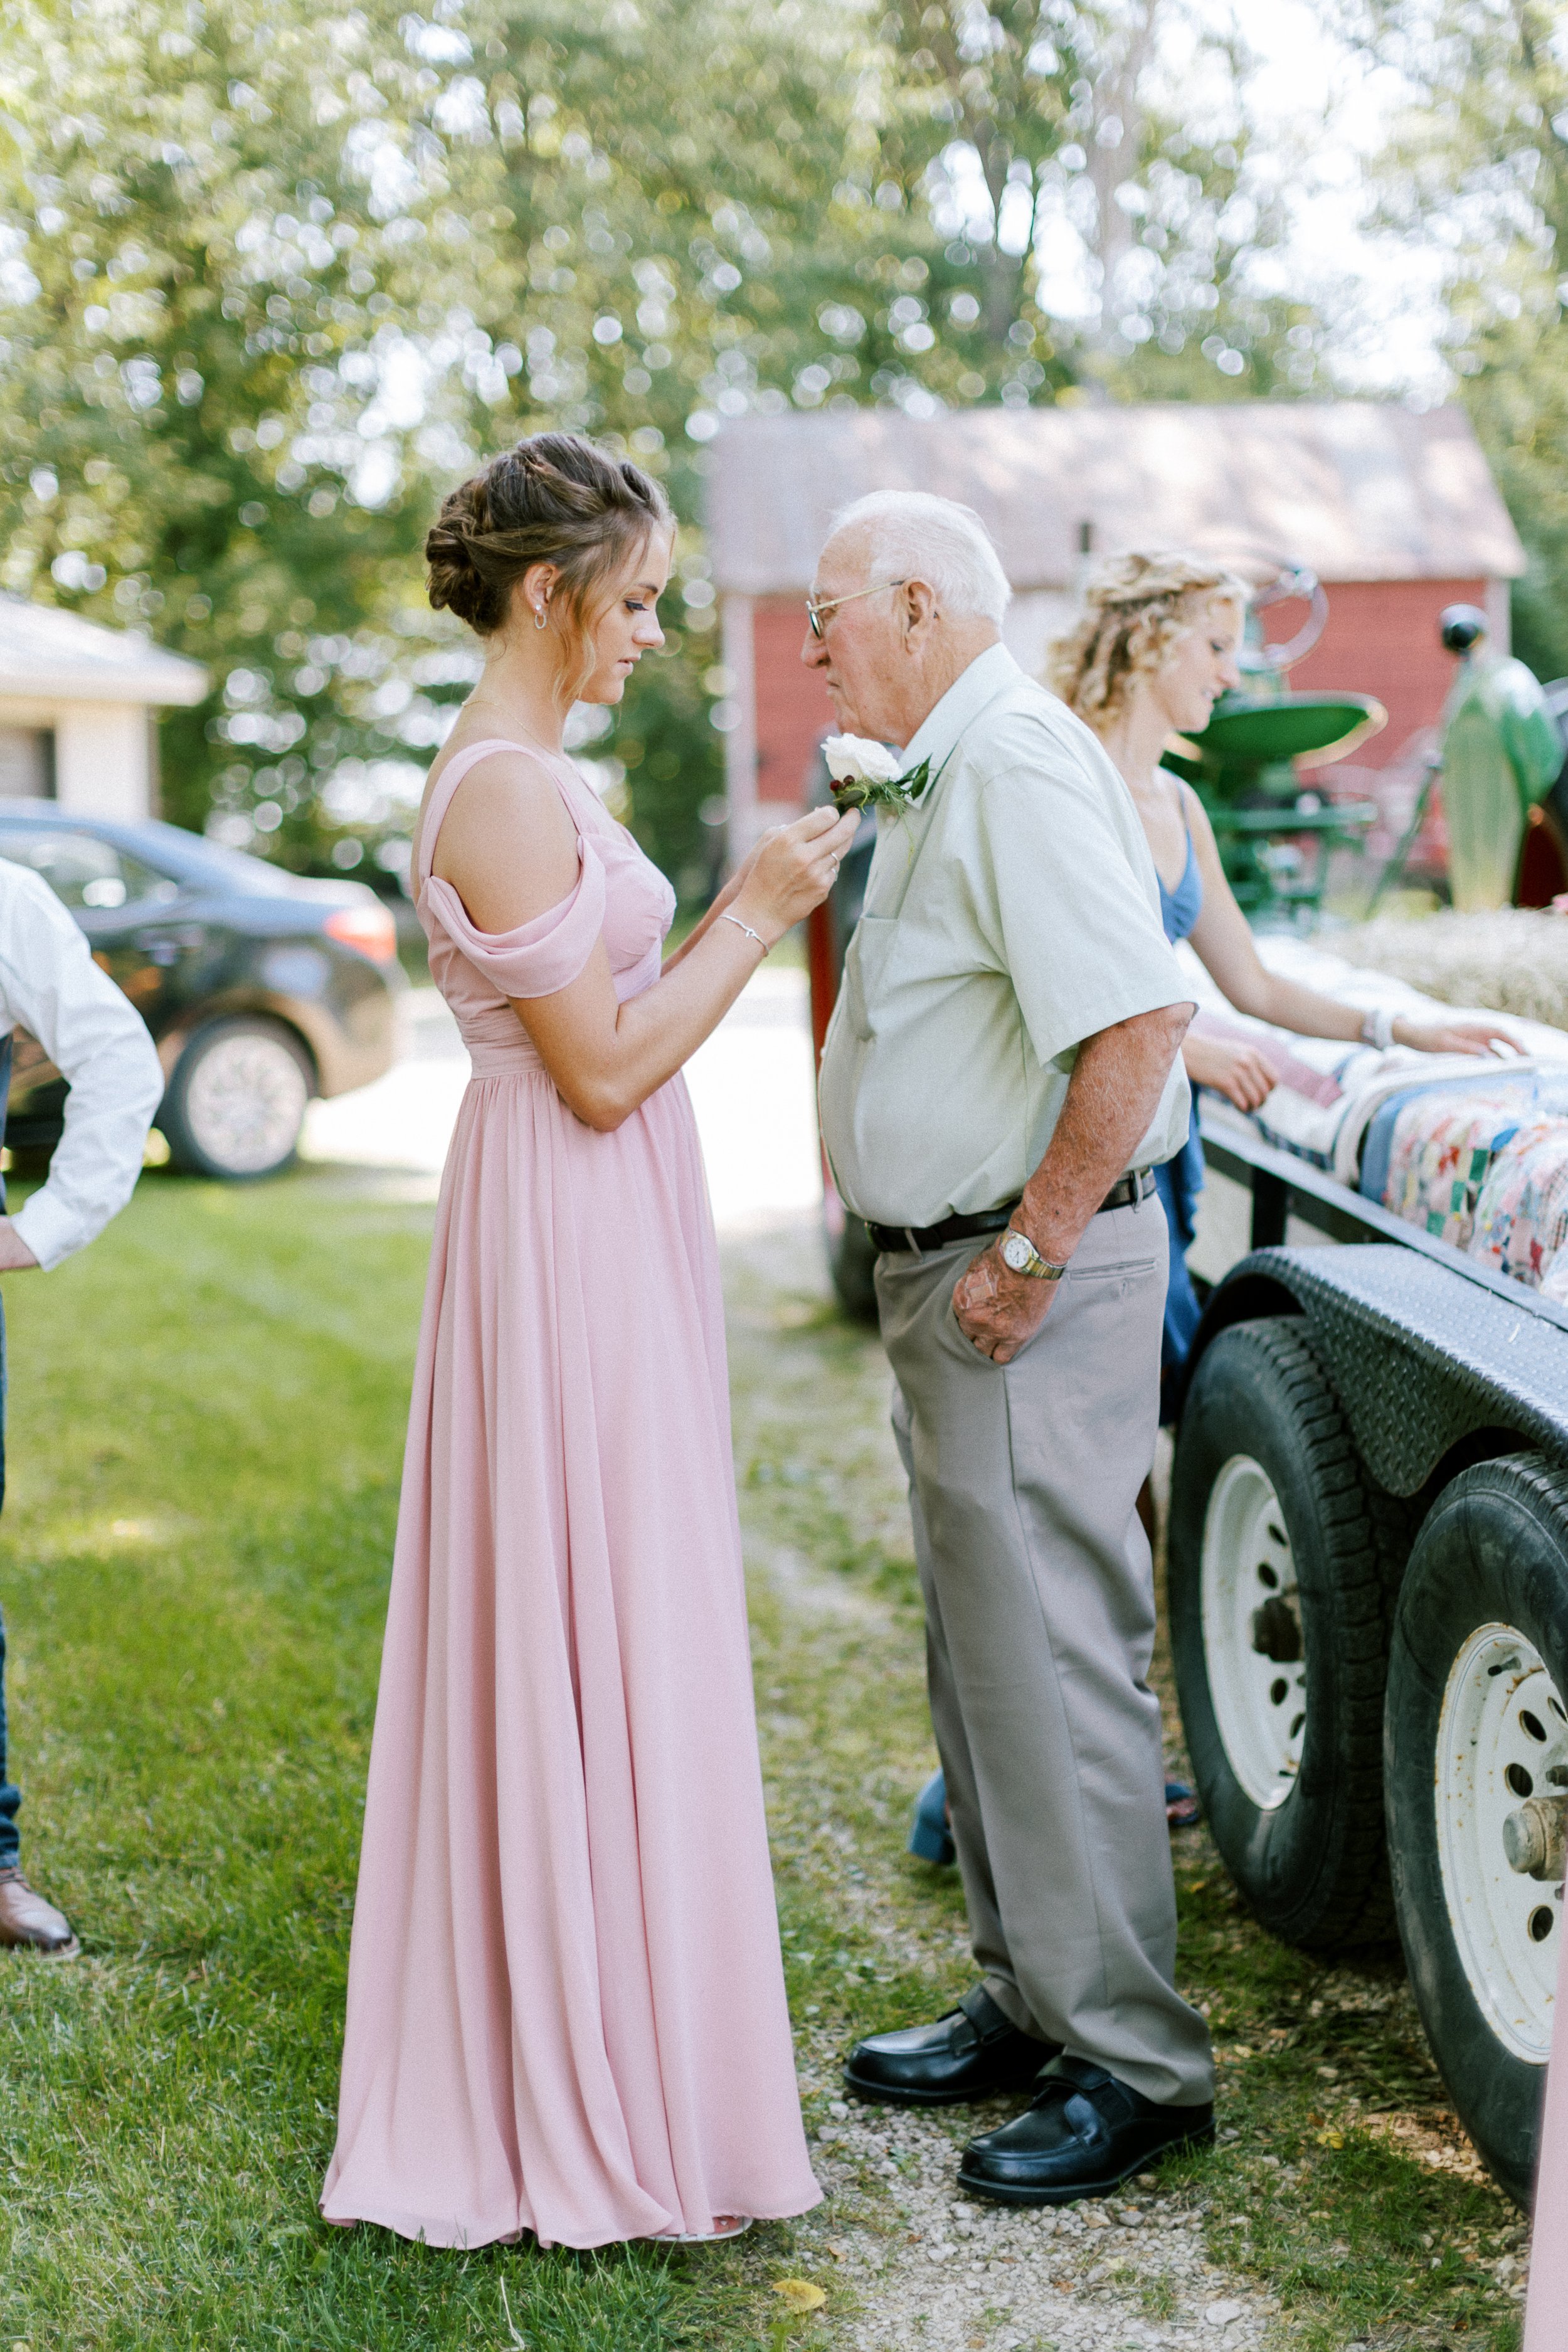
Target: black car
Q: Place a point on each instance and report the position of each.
(260, 988)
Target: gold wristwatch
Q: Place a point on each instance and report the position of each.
(1018, 1253)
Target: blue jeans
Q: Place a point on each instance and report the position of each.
(1179, 1180)
(10, 1795)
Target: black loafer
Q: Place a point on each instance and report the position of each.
(1084, 2134)
(970, 2054)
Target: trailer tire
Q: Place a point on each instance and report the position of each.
(1477, 1727)
(1282, 1561)
(851, 1263)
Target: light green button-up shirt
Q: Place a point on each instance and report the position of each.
(1014, 912)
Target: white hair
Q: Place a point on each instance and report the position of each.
(918, 536)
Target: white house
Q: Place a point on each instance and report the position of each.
(78, 710)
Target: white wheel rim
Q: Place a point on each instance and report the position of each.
(1502, 1726)
(246, 1102)
(1259, 1701)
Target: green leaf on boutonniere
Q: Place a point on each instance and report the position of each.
(898, 794)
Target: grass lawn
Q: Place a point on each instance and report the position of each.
(207, 1424)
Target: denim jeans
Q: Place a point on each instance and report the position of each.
(10, 1795)
(1178, 1197)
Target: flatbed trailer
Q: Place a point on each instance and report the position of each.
(1367, 1568)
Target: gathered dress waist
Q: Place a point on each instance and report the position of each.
(499, 1045)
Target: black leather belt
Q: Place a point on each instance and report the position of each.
(1124, 1194)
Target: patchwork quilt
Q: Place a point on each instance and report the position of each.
(1445, 1143)
(1521, 1212)
(1473, 1152)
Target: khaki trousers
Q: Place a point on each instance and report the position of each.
(1039, 1604)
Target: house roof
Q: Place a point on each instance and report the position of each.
(1357, 489)
(49, 655)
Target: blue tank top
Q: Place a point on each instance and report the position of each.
(1182, 1178)
(1180, 908)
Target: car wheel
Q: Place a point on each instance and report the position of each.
(1280, 1573)
(237, 1100)
(1475, 1762)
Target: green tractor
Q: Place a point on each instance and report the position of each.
(1500, 759)
(1276, 833)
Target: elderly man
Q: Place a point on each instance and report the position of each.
(96, 1039)
(1000, 1073)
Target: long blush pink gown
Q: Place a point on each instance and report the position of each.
(565, 2001)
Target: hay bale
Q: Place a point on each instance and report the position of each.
(1513, 961)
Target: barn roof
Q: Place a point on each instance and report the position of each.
(50, 655)
(1358, 490)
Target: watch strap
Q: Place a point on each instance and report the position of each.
(1039, 1269)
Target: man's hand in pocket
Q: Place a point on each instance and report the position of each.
(999, 1311)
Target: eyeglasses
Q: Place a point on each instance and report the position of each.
(815, 607)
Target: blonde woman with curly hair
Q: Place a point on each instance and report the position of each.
(1155, 648)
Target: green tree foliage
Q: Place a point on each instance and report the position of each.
(195, 346)
(271, 280)
(1105, 144)
(1478, 163)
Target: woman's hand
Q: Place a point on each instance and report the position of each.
(1232, 1067)
(14, 1251)
(1455, 1036)
(793, 869)
(742, 874)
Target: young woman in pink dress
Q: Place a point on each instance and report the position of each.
(565, 2003)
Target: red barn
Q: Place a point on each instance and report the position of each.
(1395, 511)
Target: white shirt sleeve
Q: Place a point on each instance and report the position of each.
(1079, 932)
(98, 1043)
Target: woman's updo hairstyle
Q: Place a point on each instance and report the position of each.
(1136, 607)
(553, 499)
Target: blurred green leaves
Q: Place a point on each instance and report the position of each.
(189, 436)
(271, 281)
(1476, 165)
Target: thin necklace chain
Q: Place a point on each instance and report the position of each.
(551, 751)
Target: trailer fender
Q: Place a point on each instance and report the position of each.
(1421, 1357)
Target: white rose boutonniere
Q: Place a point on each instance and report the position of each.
(868, 775)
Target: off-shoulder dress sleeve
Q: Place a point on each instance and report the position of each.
(537, 958)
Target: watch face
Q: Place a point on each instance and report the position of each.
(1017, 1252)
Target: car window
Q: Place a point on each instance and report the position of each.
(84, 872)
(251, 877)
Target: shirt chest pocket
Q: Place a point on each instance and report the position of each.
(866, 971)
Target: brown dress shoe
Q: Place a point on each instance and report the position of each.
(29, 1923)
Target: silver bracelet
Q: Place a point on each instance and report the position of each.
(1377, 1030)
(740, 926)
